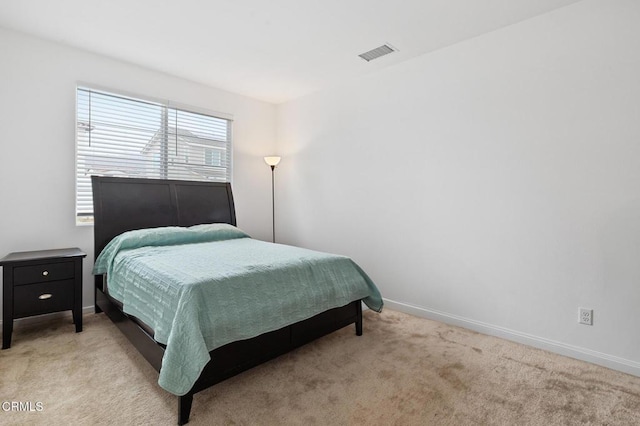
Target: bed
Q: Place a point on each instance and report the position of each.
(124, 206)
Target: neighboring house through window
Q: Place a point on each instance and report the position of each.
(123, 136)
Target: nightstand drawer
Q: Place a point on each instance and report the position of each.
(41, 298)
(42, 273)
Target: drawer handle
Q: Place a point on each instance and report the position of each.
(45, 296)
(45, 273)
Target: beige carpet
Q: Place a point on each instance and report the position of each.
(404, 370)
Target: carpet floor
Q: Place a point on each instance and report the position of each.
(404, 370)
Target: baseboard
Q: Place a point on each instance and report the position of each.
(577, 352)
(583, 354)
(48, 317)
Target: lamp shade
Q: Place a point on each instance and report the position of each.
(272, 160)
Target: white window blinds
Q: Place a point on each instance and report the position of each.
(122, 136)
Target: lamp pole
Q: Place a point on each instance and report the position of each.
(273, 203)
(272, 161)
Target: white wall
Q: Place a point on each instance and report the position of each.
(493, 184)
(37, 140)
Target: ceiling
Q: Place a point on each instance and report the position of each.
(274, 50)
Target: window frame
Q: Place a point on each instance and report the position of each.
(85, 219)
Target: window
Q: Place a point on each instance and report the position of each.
(122, 136)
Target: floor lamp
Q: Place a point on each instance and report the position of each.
(272, 161)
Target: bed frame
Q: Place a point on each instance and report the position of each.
(124, 204)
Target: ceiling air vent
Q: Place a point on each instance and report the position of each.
(385, 49)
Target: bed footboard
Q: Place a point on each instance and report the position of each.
(236, 357)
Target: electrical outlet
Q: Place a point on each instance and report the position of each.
(585, 316)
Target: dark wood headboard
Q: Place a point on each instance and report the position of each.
(125, 204)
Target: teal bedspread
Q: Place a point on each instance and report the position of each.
(202, 287)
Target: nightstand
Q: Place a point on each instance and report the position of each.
(40, 282)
